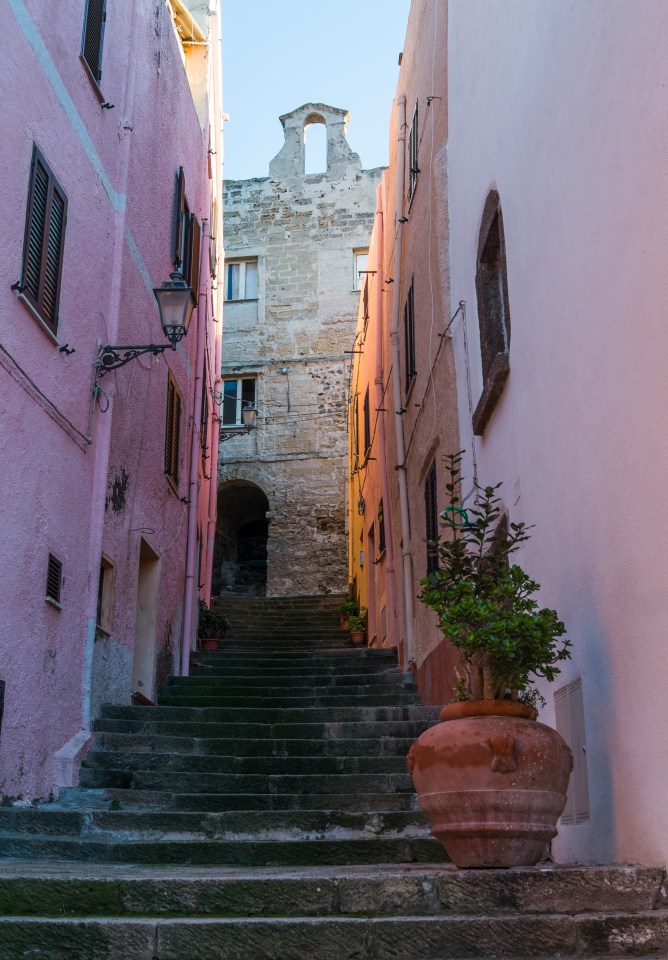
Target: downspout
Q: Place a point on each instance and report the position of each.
(215, 122)
(407, 565)
(191, 549)
(382, 446)
(103, 427)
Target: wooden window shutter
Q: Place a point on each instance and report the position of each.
(409, 338)
(44, 240)
(93, 36)
(172, 430)
(195, 241)
(181, 224)
(367, 423)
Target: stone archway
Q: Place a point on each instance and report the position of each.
(240, 552)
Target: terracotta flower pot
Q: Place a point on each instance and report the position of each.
(357, 636)
(209, 643)
(492, 781)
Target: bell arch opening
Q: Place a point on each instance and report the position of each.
(240, 551)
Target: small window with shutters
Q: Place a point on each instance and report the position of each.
(172, 431)
(381, 529)
(54, 580)
(93, 37)
(43, 242)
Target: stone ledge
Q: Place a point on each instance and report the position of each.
(496, 379)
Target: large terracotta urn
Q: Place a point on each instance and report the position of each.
(492, 781)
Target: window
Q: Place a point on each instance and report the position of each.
(105, 593)
(367, 423)
(241, 280)
(409, 338)
(360, 261)
(431, 519)
(413, 170)
(493, 310)
(381, 528)
(187, 239)
(54, 579)
(93, 37)
(172, 430)
(237, 395)
(43, 243)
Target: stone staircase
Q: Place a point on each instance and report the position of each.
(262, 811)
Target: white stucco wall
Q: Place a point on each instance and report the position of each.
(562, 107)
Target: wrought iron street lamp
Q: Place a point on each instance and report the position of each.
(249, 419)
(175, 304)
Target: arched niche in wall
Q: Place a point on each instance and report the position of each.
(315, 144)
(242, 528)
(493, 310)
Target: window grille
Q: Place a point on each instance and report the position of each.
(54, 579)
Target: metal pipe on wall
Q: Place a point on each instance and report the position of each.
(407, 564)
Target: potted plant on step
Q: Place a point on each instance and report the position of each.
(211, 628)
(348, 608)
(491, 779)
(356, 623)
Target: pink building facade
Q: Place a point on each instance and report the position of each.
(111, 163)
(541, 243)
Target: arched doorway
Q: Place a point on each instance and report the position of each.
(240, 553)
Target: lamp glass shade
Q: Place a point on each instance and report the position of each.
(176, 307)
(249, 416)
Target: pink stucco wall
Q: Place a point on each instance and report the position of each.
(563, 108)
(118, 168)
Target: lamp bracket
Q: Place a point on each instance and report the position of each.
(112, 357)
(231, 434)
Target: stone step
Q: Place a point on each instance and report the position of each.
(294, 715)
(88, 798)
(229, 764)
(50, 820)
(250, 682)
(333, 938)
(282, 853)
(279, 731)
(298, 656)
(256, 746)
(246, 783)
(363, 698)
(79, 890)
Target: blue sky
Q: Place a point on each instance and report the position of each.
(277, 56)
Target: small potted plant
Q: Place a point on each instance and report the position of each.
(348, 608)
(356, 623)
(212, 627)
(491, 779)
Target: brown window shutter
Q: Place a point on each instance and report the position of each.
(180, 221)
(172, 430)
(44, 241)
(93, 36)
(195, 240)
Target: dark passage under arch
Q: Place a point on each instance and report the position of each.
(240, 552)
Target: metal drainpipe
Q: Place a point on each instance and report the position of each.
(191, 550)
(382, 446)
(101, 429)
(407, 563)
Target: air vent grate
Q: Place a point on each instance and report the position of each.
(54, 578)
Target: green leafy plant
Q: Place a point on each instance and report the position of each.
(356, 622)
(485, 603)
(212, 623)
(349, 608)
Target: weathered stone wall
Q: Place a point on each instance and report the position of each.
(303, 230)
